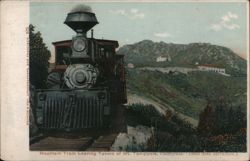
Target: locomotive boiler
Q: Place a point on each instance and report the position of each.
(87, 82)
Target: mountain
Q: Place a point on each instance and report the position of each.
(161, 54)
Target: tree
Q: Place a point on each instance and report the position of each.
(221, 117)
(38, 58)
(206, 121)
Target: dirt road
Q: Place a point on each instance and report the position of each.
(133, 98)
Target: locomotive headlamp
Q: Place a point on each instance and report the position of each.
(79, 44)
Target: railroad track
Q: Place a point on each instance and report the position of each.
(95, 140)
(102, 143)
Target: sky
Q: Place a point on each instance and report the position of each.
(220, 23)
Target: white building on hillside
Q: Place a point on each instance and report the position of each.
(161, 59)
(130, 65)
(213, 68)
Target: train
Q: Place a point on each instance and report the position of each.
(87, 82)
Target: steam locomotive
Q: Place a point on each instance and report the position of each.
(87, 82)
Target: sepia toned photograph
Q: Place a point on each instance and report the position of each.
(138, 76)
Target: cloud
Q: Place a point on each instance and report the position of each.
(131, 14)
(231, 15)
(162, 34)
(134, 10)
(232, 26)
(216, 27)
(126, 40)
(119, 12)
(226, 22)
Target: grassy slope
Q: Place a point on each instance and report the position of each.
(187, 94)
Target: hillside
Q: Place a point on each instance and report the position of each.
(151, 131)
(188, 93)
(197, 110)
(146, 52)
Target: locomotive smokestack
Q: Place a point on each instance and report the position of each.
(81, 19)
